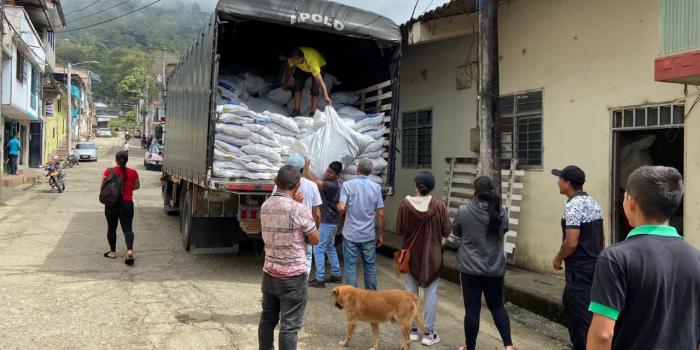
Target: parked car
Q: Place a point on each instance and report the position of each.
(153, 159)
(86, 151)
(104, 132)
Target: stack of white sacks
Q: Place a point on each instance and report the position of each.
(254, 136)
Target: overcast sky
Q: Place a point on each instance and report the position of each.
(398, 10)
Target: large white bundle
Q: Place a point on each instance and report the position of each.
(224, 164)
(233, 118)
(369, 121)
(304, 122)
(293, 144)
(375, 134)
(227, 173)
(279, 96)
(261, 104)
(229, 149)
(256, 138)
(378, 165)
(231, 140)
(263, 151)
(261, 129)
(350, 112)
(345, 98)
(283, 121)
(231, 107)
(376, 179)
(280, 130)
(371, 154)
(259, 175)
(254, 84)
(233, 130)
(334, 142)
(350, 169)
(261, 168)
(375, 146)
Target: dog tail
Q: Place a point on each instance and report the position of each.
(418, 312)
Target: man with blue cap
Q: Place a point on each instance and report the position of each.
(309, 196)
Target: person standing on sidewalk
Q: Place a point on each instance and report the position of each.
(123, 212)
(362, 205)
(330, 193)
(646, 289)
(582, 230)
(482, 225)
(287, 227)
(423, 221)
(13, 149)
(308, 195)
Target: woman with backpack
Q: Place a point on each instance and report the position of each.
(423, 221)
(118, 186)
(482, 225)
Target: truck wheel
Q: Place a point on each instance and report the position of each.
(186, 217)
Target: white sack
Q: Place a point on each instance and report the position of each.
(229, 149)
(232, 165)
(233, 130)
(261, 129)
(371, 154)
(263, 151)
(280, 130)
(283, 121)
(255, 84)
(350, 112)
(280, 96)
(345, 98)
(225, 156)
(261, 104)
(231, 107)
(292, 143)
(376, 179)
(378, 165)
(259, 176)
(261, 168)
(375, 134)
(256, 138)
(304, 122)
(369, 121)
(235, 118)
(227, 173)
(350, 169)
(231, 140)
(375, 146)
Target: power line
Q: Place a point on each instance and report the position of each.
(110, 20)
(100, 11)
(82, 9)
(414, 9)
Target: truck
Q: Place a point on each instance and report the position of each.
(363, 50)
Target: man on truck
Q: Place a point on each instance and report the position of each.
(302, 63)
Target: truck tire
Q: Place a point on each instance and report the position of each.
(186, 216)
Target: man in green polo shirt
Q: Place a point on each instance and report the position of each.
(305, 62)
(646, 289)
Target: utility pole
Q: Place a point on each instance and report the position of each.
(489, 114)
(70, 108)
(2, 119)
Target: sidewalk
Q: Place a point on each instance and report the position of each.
(25, 177)
(536, 292)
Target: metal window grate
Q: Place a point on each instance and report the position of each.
(416, 138)
(521, 128)
(648, 116)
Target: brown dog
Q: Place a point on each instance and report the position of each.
(379, 306)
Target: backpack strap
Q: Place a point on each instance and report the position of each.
(111, 172)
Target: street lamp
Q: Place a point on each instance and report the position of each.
(70, 99)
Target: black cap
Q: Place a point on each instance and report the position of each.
(572, 174)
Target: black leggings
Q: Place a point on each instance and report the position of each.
(492, 288)
(124, 214)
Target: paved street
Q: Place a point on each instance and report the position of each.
(58, 292)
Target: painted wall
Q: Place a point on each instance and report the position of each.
(587, 56)
(55, 129)
(428, 81)
(18, 94)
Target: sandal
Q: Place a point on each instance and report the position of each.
(106, 255)
(129, 260)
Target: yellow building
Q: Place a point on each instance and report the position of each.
(55, 120)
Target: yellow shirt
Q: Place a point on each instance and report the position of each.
(313, 61)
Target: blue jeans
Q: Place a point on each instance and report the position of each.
(352, 251)
(326, 245)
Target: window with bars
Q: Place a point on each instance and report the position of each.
(650, 116)
(21, 67)
(416, 138)
(521, 128)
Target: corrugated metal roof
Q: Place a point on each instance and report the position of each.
(452, 8)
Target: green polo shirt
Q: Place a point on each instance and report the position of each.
(650, 285)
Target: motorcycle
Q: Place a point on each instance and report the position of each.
(72, 160)
(55, 175)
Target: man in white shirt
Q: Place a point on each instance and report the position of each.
(310, 197)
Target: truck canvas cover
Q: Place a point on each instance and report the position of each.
(318, 15)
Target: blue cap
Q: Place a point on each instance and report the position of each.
(296, 160)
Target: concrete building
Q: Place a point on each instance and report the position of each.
(55, 115)
(28, 46)
(577, 87)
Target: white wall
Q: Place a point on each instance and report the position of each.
(453, 110)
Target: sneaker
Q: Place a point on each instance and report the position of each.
(295, 113)
(430, 338)
(414, 334)
(317, 284)
(334, 279)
